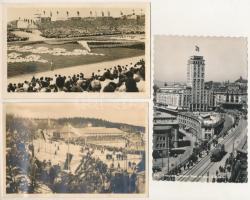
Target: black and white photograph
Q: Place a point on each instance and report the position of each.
(200, 109)
(76, 149)
(86, 48)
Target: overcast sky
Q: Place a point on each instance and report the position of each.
(225, 58)
(130, 113)
(13, 13)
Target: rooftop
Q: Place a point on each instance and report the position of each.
(89, 130)
(158, 114)
(207, 119)
(162, 128)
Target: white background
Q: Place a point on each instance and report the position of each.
(199, 18)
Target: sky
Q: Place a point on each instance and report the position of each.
(225, 57)
(129, 113)
(13, 13)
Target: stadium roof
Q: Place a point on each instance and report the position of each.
(87, 131)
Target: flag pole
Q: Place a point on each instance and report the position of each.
(45, 143)
(68, 147)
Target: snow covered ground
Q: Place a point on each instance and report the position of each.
(47, 152)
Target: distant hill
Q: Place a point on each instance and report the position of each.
(82, 122)
(29, 125)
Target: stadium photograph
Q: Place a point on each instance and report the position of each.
(92, 48)
(75, 149)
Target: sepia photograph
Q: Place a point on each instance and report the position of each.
(92, 48)
(76, 149)
(200, 109)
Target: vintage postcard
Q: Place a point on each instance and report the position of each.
(86, 51)
(76, 149)
(200, 109)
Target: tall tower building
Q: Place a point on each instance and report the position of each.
(195, 80)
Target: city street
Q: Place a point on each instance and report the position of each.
(205, 170)
(180, 159)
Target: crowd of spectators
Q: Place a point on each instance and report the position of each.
(81, 27)
(129, 78)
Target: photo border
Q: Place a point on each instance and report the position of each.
(77, 195)
(82, 95)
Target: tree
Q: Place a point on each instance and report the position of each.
(89, 177)
(78, 13)
(67, 13)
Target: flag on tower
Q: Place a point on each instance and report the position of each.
(197, 48)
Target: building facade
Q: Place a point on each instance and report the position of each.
(233, 95)
(195, 80)
(104, 136)
(165, 132)
(178, 98)
(204, 126)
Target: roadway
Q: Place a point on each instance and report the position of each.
(204, 170)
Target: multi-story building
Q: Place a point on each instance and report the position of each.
(230, 95)
(165, 132)
(204, 126)
(195, 80)
(178, 98)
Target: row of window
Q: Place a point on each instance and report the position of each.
(161, 138)
(160, 145)
(189, 122)
(198, 74)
